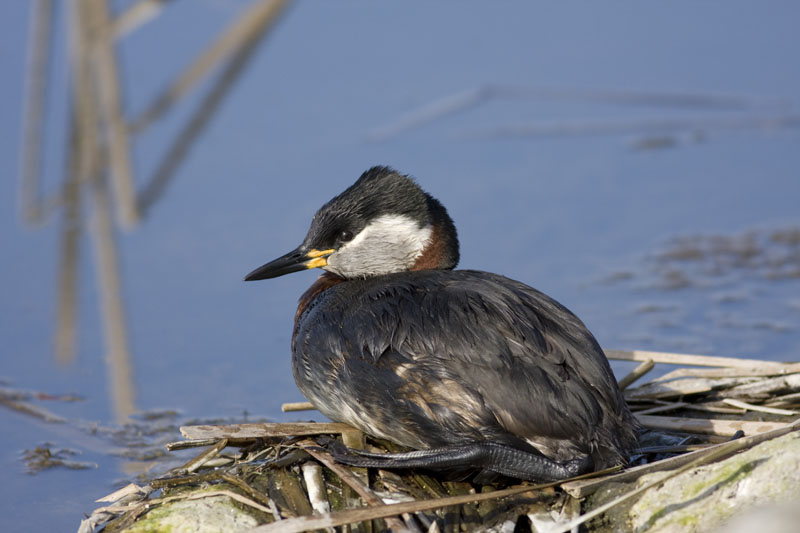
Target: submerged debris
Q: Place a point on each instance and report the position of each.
(45, 457)
(715, 260)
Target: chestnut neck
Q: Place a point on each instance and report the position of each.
(435, 254)
(441, 253)
(322, 284)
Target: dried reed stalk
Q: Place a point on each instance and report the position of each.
(350, 479)
(687, 359)
(725, 428)
(637, 372)
(583, 488)
(297, 406)
(239, 432)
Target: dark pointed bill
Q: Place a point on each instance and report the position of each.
(295, 261)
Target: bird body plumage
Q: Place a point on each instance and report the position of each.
(410, 357)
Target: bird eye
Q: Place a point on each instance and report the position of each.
(346, 236)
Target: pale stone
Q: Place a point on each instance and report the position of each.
(704, 498)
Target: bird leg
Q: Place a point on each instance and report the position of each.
(492, 456)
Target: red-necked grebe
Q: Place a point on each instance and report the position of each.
(472, 369)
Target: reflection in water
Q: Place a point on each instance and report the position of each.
(99, 152)
(471, 98)
(39, 48)
(648, 126)
(120, 375)
(65, 340)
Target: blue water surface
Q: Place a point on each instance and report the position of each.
(581, 213)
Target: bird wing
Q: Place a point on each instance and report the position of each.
(478, 354)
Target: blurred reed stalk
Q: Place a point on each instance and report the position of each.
(231, 53)
(97, 23)
(138, 14)
(39, 57)
(779, 111)
(99, 144)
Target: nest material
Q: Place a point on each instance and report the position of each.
(281, 476)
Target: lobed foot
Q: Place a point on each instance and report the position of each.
(488, 456)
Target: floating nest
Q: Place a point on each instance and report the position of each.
(280, 477)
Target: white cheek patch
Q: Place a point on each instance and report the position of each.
(390, 243)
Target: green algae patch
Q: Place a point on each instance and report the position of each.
(196, 513)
